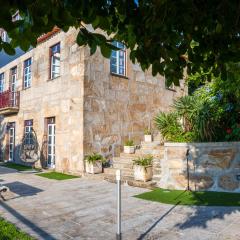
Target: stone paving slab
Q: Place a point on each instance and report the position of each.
(85, 208)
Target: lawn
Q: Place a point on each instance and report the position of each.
(56, 175)
(9, 231)
(16, 166)
(191, 198)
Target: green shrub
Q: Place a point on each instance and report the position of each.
(143, 161)
(147, 131)
(94, 157)
(129, 143)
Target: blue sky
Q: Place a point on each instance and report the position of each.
(5, 59)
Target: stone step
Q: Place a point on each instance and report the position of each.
(131, 182)
(152, 152)
(122, 160)
(124, 172)
(122, 165)
(151, 144)
(131, 156)
(112, 178)
(156, 171)
(156, 164)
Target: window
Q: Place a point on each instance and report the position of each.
(1, 82)
(27, 74)
(118, 60)
(55, 61)
(16, 17)
(51, 135)
(171, 87)
(28, 128)
(13, 79)
(4, 36)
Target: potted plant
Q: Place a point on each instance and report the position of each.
(147, 135)
(143, 168)
(129, 146)
(94, 163)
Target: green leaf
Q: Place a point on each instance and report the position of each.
(105, 50)
(93, 49)
(81, 39)
(8, 49)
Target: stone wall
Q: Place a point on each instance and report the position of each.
(61, 98)
(117, 108)
(213, 166)
(94, 110)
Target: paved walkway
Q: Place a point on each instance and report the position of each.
(86, 209)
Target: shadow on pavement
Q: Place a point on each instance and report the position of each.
(40, 232)
(143, 235)
(203, 215)
(5, 170)
(23, 189)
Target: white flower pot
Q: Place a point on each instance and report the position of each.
(148, 138)
(142, 173)
(129, 149)
(94, 168)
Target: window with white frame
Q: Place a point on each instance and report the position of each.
(55, 61)
(28, 132)
(118, 59)
(27, 73)
(1, 82)
(13, 79)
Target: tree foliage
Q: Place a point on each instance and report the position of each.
(169, 36)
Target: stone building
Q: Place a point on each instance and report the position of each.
(77, 103)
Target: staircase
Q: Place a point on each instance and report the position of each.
(125, 163)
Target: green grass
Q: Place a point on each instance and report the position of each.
(9, 231)
(18, 167)
(56, 175)
(192, 198)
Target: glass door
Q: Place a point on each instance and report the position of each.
(51, 129)
(11, 141)
(13, 85)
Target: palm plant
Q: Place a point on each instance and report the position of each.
(185, 107)
(169, 125)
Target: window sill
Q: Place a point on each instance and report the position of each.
(118, 75)
(171, 89)
(51, 79)
(26, 88)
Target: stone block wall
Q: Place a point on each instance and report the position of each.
(213, 166)
(118, 108)
(61, 98)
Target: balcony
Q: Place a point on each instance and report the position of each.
(9, 102)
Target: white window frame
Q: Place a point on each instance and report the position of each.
(118, 66)
(13, 79)
(51, 135)
(4, 36)
(2, 82)
(27, 130)
(55, 62)
(27, 74)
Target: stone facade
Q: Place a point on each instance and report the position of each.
(94, 110)
(212, 166)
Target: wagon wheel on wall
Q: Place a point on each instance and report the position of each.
(29, 148)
